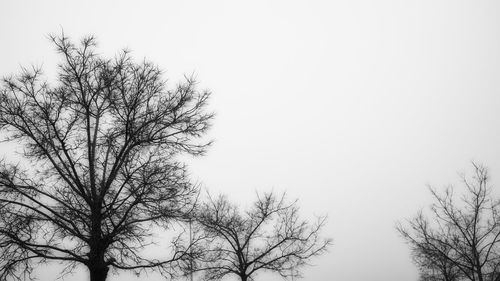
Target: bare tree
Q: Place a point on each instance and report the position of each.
(101, 146)
(269, 236)
(462, 239)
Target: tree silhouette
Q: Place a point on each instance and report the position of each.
(462, 239)
(269, 236)
(100, 149)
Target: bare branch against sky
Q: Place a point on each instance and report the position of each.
(461, 238)
(269, 236)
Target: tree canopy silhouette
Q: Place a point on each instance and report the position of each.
(461, 241)
(269, 236)
(100, 147)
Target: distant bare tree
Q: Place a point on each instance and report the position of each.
(461, 241)
(102, 146)
(269, 236)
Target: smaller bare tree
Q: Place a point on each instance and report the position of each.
(461, 241)
(269, 236)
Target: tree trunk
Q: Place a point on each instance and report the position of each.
(98, 273)
(97, 265)
(244, 277)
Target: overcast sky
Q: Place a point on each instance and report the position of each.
(351, 106)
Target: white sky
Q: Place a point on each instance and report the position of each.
(351, 106)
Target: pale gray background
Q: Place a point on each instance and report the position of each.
(352, 106)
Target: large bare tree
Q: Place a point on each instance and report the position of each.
(270, 236)
(100, 164)
(461, 240)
